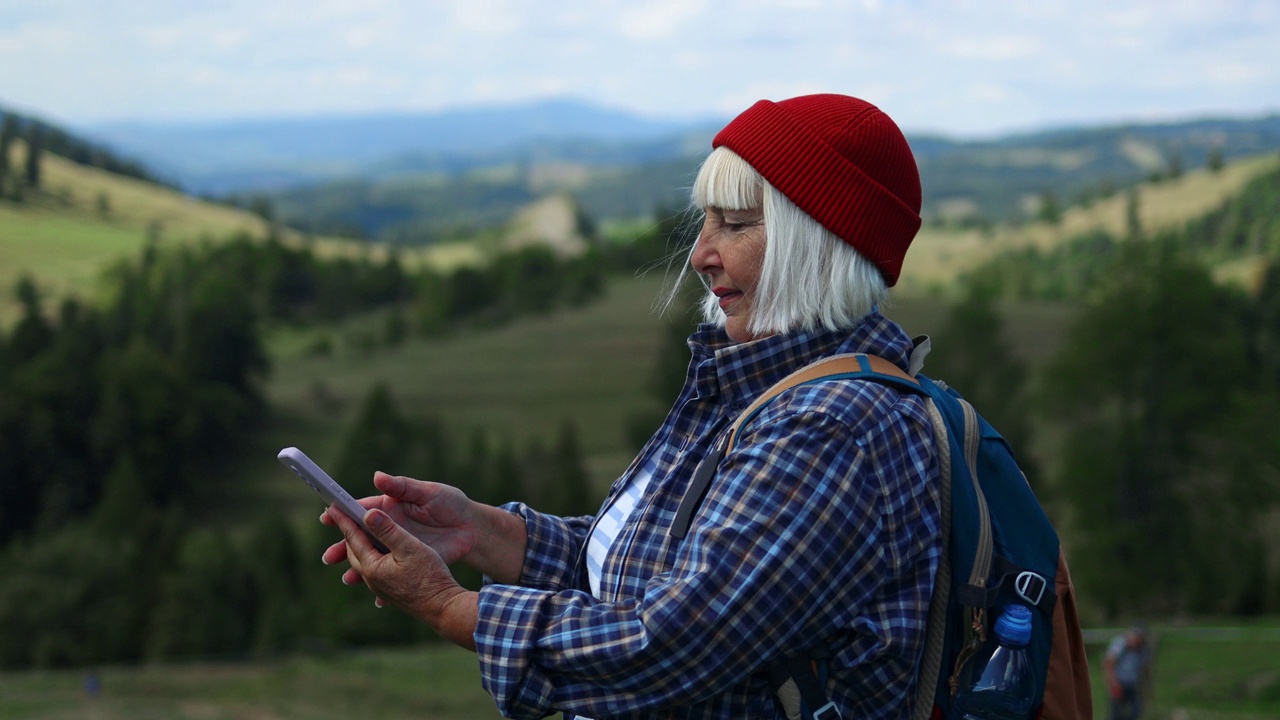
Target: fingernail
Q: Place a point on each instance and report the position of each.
(375, 519)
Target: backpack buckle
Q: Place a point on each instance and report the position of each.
(827, 712)
(1028, 583)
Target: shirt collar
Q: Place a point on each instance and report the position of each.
(742, 371)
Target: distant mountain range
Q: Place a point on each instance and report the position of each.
(414, 178)
(999, 179)
(272, 154)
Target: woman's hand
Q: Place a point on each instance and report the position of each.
(412, 576)
(439, 515)
(446, 520)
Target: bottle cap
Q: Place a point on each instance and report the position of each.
(1014, 625)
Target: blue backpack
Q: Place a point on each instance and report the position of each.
(998, 548)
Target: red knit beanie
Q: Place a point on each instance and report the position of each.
(842, 161)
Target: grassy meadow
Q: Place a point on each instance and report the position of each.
(939, 254)
(1201, 672)
(83, 219)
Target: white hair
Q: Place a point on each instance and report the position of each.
(809, 279)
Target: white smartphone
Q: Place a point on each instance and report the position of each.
(329, 489)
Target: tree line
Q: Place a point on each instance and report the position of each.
(1158, 411)
(41, 137)
(116, 420)
(136, 580)
(1247, 224)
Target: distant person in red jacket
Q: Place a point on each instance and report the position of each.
(1125, 664)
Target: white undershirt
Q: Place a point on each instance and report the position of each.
(610, 523)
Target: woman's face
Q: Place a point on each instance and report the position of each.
(729, 253)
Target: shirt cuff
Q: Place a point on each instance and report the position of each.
(552, 547)
(508, 621)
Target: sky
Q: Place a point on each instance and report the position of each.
(961, 68)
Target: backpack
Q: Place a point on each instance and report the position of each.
(998, 547)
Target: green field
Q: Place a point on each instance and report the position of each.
(588, 366)
(436, 681)
(1201, 673)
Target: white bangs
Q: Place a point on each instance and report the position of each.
(727, 182)
(809, 278)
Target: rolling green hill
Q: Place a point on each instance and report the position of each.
(940, 253)
(82, 219)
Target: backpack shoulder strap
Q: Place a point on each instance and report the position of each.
(853, 366)
(850, 365)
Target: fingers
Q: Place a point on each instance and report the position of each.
(335, 553)
(389, 533)
(406, 490)
(358, 544)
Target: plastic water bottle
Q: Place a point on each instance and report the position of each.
(1005, 688)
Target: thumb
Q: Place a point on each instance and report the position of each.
(388, 531)
(406, 489)
(391, 485)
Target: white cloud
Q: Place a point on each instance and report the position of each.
(660, 19)
(1006, 47)
(963, 66)
(487, 17)
(1236, 73)
(230, 38)
(986, 92)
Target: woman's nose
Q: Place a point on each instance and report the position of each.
(705, 257)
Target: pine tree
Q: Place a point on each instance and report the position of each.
(1133, 214)
(35, 148)
(276, 566)
(1151, 392)
(972, 354)
(565, 486)
(8, 131)
(1050, 211)
(1173, 169)
(124, 507)
(381, 439)
(33, 333)
(1215, 160)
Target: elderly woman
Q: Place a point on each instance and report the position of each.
(821, 528)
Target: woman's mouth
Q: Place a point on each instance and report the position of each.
(727, 297)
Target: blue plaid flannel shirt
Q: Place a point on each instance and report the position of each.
(822, 525)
